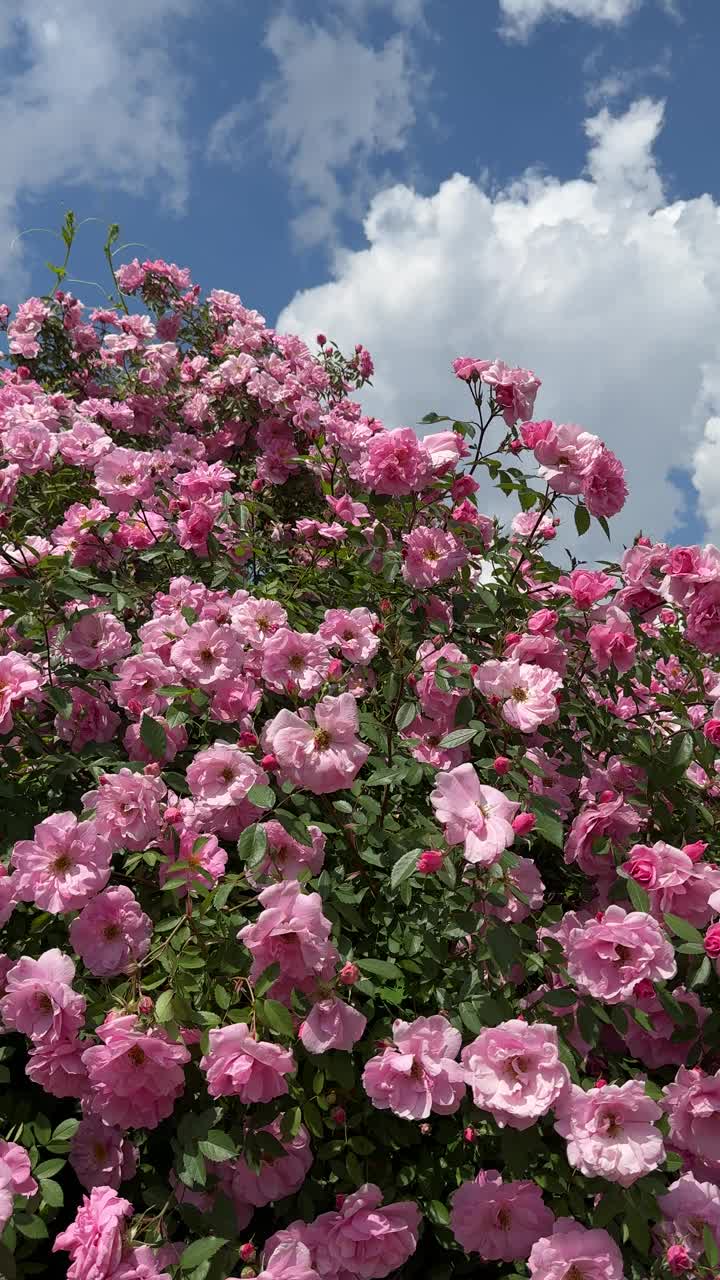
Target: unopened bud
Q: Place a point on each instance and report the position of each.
(247, 1252)
(349, 974)
(145, 1005)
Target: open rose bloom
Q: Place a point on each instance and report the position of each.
(359, 857)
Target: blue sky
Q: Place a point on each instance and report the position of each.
(302, 154)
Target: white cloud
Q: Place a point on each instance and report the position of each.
(334, 108)
(521, 16)
(609, 293)
(620, 82)
(88, 95)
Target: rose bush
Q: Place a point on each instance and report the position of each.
(360, 887)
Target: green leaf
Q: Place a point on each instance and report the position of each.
(437, 1213)
(65, 1130)
(164, 1007)
(252, 845)
(153, 736)
(550, 828)
(263, 797)
(682, 928)
(31, 1226)
(582, 519)
(266, 979)
(404, 868)
(218, 1146)
(712, 1253)
(637, 895)
(702, 974)
(457, 737)
(313, 1119)
(200, 1250)
(681, 752)
(381, 968)
(562, 998)
(405, 715)
(51, 1192)
(278, 1018)
(60, 699)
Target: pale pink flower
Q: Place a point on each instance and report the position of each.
(565, 453)
(8, 895)
(136, 1076)
(101, 1155)
(138, 680)
(295, 658)
(207, 654)
(58, 1068)
(703, 618)
(90, 720)
(255, 620)
(291, 931)
(514, 1071)
(98, 639)
(473, 814)
(692, 1103)
(111, 933)
(430, 556)
(223, 774)
(286, 858)
(95, 1239)
(127, 806)
(19, 680)
(499, 1220)
(419, 1074)
(122, 476)
(64, 865)
(365, 1238)
(39, 1000)
(660, 1047)
(352, 632)
(688, 1207)
(574, 1252)
(236, 1063)
(15, 1169)
(277, 1178)
(322, 757)
(29, 446)
(332, 1024)
(611, 1131)
(445, 449)
(527, 692)
(84, 443)
(587, 586)
(289, 1261)
(606, 958)
(612, 820)
(523, 876)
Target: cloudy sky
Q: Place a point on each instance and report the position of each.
(532, 179)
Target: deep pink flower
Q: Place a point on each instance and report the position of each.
(603, 485)
(613, 641)
(323, 757)
(135, 1075)
(431, 556)
(95, 1239)
(420, 1073)
(277, 1178)
(111, 933)
(237, 1063)
(499, 1220)
(397, 464)
(429, 862)
(515, 1072)
(64, 865)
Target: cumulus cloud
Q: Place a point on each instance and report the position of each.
(521, 16)
(88, 95)
(608, 291)
(335, 107)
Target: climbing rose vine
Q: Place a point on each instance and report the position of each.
(360, 889)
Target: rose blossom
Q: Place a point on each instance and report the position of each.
(237, 1063)
(297, 658)
(136, 1076)
(291, 931)
(688, 1207)
(39, 1000)
(499, 1220)
(611, 1131)
(223, 774)
(95, 1239)
(100, 1155)
(692, 1102)
(365, 1238)
(64, 865)
(419, 1074)
(111, 933)
(332, 1024)
(431, 556)
(606, 958)
(473, 814)
(15, 1179)
(515, 1072)
(527, 692)
(127, 806)
(574, 1252)
(323, 757)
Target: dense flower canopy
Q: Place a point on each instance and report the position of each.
(360, 889)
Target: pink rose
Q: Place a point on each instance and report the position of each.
(499, 1220)
(95, 1239)
(606, 958)
(323, 757)
(332, 1024)
(419, 1073)
(591, 1253)
(135, 1075)
(480, 817)
(515, 1072)
(39, 1000)
(237, 1063)
(611, 1131)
